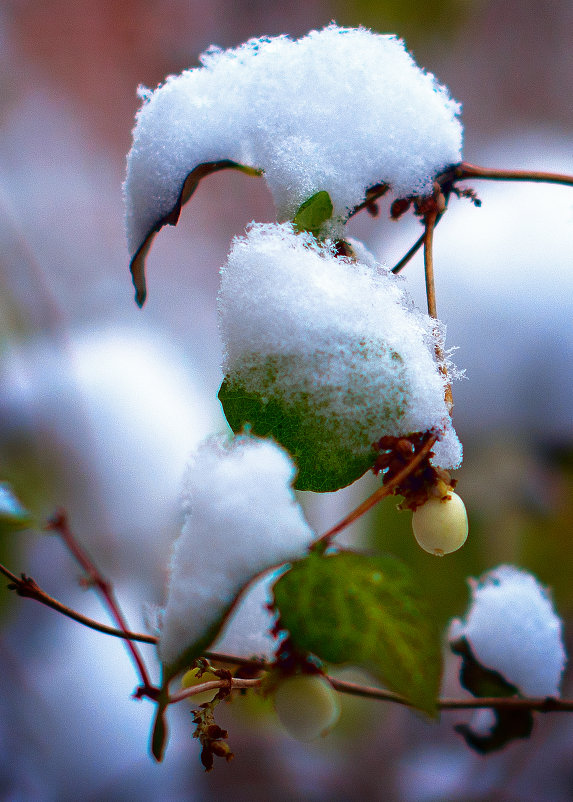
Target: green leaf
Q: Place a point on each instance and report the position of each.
(313, 213)
(326, 430)
(365, 611)
(324, 464)
(13, 516)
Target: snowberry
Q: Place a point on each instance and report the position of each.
(306, 706)
(190, 679)
(441, 524)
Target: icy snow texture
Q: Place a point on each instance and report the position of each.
(513, 629)
(345, 332)
(338, 110)
(242, 518)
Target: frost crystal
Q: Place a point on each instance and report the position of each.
(512, 628)
(339, 110)
(242, 518)
(331, 341)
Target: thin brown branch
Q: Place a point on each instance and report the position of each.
(233, 659)
(12, 577)
(431, 219)
(59, 523)
(411, 253)
(399, 266)
(543, 705)
(429, 225)
(28, 588)
(466, 170)
(383, 491)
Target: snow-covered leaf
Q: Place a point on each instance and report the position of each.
(324, 463)
(340, 110)
(242, 518)
(325, 354)
(137, 264)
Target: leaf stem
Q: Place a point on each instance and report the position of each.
(59, 523)
(429, 225)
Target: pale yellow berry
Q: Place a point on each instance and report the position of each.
(441, 525)
(306, 706)
(190, 679)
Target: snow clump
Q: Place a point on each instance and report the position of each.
(241, 519)
(512, 628)
(331, 341)
(339, 110)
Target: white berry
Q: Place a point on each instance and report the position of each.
(306, 706)
(190, 679)
(441, 525)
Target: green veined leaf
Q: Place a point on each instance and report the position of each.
(367, 611)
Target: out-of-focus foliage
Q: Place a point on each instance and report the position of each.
(415, 21)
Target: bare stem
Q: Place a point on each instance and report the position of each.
(411, 253)
(466, 170)
(543, 705)
(428, 239)
(430, 223)
(27, 587)
(59, 523)
(386, 490)
(234, 683)
(399, 266)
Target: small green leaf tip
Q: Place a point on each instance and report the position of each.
(351, 608)
(313, 213)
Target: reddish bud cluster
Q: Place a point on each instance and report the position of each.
(211, 736)
(424, 482)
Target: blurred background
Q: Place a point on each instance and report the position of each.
(101, 403)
